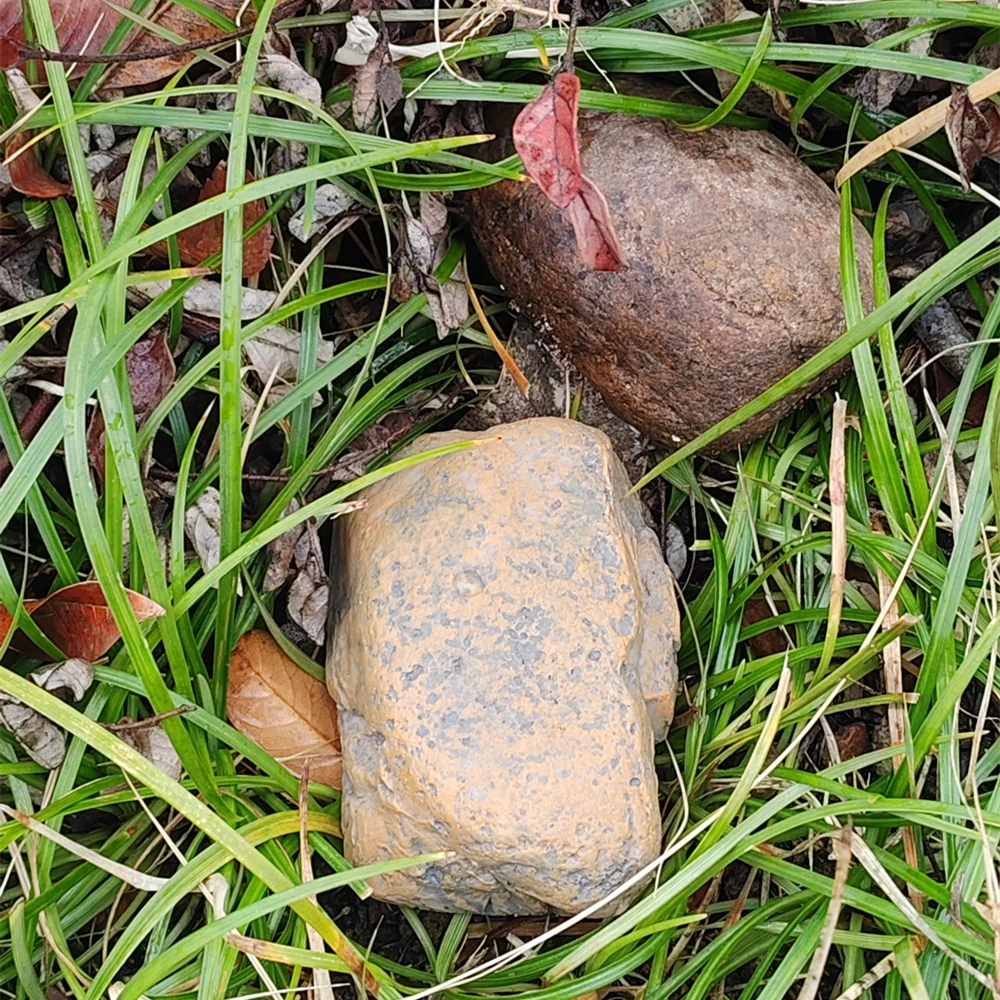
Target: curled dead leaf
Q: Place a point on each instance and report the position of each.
(376, 81)
(72, 677)
(151, 372)
(43, 741)
(973, 131)
(545, 137)
(27, 174)
(309, 594)
(203, 526)
(286, 711)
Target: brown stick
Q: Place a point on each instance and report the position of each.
(576, 10)
(285, 9)
(153, 720)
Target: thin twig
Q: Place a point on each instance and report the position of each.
(153, 720)
(576, 11)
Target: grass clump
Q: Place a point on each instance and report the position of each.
(843, 573)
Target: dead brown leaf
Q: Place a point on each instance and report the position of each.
(84, 26)
(27, 174)
(81, 26)
(973, 131)
(289, 713)
(424, 242)
(151, 372)
(201, 241)
(78, 621)
(769, 643)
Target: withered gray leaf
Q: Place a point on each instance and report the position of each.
(203, 526)
(43, 741)
(309, 594)
(282, 551)
(973, 131)
(376, 80)
(154, 744)
(72, 677)
(677, 550)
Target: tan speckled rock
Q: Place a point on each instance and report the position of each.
(502, 649)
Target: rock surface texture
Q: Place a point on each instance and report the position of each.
(556, 386)
(502, 653)
(732, 247)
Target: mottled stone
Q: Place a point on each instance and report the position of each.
(503, 634)
(732, 247)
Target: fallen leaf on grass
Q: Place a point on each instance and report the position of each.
(676, 550)
(286, 711)
(973, 131)
(78, 621)
(377, 80)
(27, 174)
(916, 129)
(204, 297)
(196, 243)
(72, 677)
(282, 552)
(154, 744)
(545, 137)
(329, 202)
(424, 242)
(43, 741)
(309, 594)
(277, 348)
(286, 73)
(83, 26)
(203, 526)
(769, 643)
(151, 371)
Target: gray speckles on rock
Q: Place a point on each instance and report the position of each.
(508, 713)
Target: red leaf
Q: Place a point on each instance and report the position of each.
(595, 235)
(545, 138)
(151, 372)
(26, 172)
(77, 619)
(200, 241)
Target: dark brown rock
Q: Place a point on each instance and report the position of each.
(502, 656)
(732, 246)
